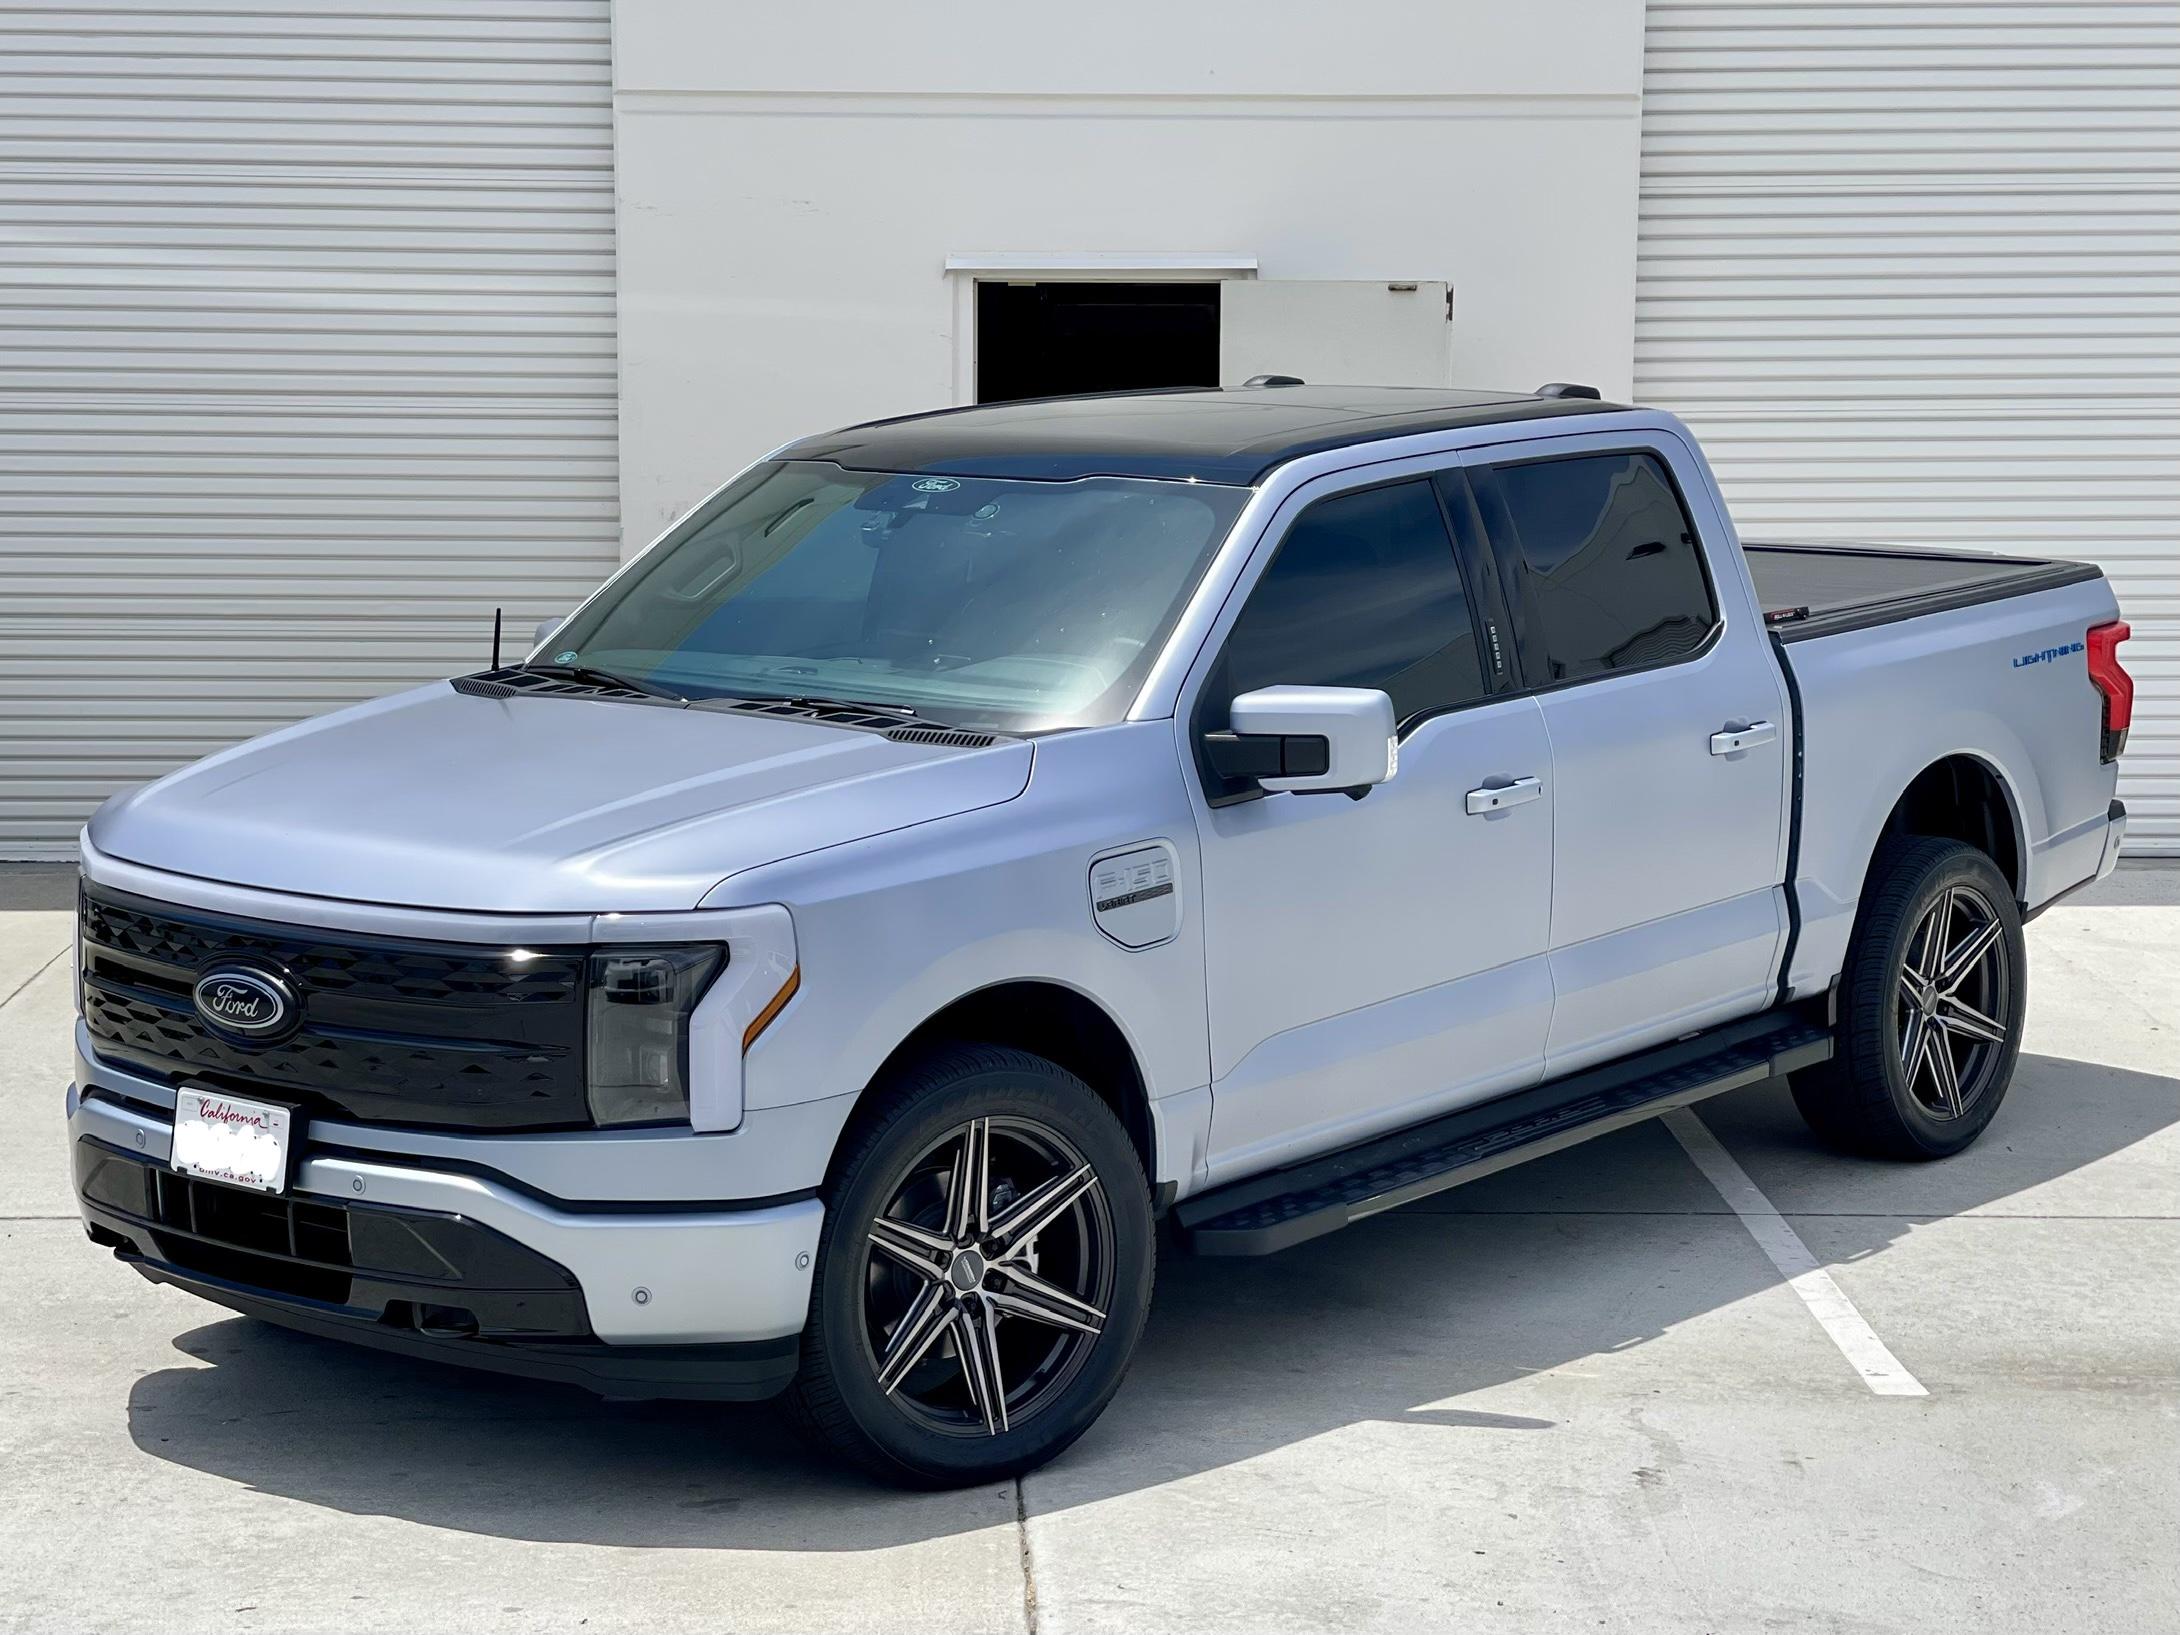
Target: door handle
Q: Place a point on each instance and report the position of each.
(1498, 797)
(1735, 739)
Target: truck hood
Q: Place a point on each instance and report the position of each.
(437, 799)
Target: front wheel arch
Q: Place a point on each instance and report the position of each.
(1061, 1024)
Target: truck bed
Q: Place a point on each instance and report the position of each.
(1820, 590)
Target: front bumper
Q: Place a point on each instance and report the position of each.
(666, 1300)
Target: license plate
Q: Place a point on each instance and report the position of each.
(225, 1138)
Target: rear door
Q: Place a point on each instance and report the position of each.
(1667, 716)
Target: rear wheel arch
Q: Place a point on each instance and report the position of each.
(1961, 797)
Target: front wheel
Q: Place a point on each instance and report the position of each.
(983, 1275)
(1930, 1007)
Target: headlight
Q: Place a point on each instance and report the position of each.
(641, 1000)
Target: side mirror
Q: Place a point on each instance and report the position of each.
(545, 629)
(1308, 740)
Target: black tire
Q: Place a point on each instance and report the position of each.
(1041, 1127)
(1865, 1099)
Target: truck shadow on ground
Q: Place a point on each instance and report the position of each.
(1591, 1251)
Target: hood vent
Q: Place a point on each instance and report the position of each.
(946, 737)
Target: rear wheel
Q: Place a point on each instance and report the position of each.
(1930, 1007)
(984, 1272)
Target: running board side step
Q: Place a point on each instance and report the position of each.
(1270, 1212)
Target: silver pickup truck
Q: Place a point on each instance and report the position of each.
(967, 844)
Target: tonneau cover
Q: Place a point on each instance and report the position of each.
(1819, 590)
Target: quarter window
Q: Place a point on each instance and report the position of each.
(1614, 576)
(1363, 593)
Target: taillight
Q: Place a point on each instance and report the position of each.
(2117, 686)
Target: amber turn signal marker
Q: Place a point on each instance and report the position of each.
(773, 1007)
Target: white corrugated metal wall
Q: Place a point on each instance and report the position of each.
(306, 361)
(1913, 273)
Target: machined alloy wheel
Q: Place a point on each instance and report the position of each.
(1928, 1011)
(983, 1273)
(988, 1276)
(1954, 987)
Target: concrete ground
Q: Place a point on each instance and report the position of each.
(1577, 1395)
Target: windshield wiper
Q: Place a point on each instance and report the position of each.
(813, 701)
(595, 677)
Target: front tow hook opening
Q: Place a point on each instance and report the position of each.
(433, 1322)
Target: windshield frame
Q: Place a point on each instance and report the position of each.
(1117, 703)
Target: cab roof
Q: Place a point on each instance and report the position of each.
(1232, 436)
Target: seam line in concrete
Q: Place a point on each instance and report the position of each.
(1881, 1371)
(28, 980)
(1029, 1569)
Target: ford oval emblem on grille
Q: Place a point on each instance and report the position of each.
(254, 1004)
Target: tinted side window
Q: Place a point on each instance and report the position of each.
(1363, 593)
(1614, 575)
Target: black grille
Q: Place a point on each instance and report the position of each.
(392, 1031)
(407, 1267)
(283, 1244)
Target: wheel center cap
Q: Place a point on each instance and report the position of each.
(967, 1272)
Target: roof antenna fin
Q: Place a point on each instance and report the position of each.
(495, 638)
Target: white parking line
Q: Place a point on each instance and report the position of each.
(1881, 1371)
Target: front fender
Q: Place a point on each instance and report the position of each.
(893, 928)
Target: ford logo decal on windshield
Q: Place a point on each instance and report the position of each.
(237, 1000)
(935, 485)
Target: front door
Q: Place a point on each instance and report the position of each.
(1669, 729)
(1372, 961)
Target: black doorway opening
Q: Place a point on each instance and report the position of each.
(1045, 340)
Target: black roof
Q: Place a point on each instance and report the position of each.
(1213, 436)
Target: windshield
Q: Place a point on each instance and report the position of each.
(980, 602)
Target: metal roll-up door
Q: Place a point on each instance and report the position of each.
(306, 363)
(1913, 273)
